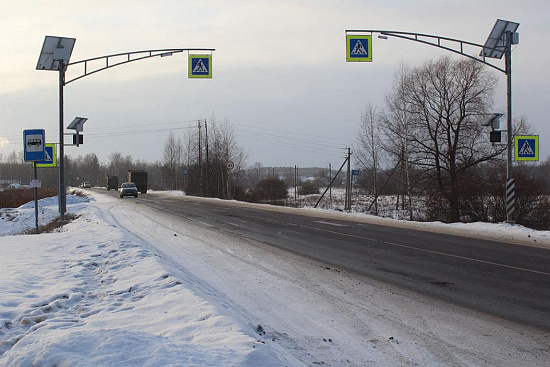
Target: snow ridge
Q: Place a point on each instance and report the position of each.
(94, 296)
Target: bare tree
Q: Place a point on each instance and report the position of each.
(222, 148)
(369, 149)
(396, 126)
(172, 155)
(446, 101)
(119, 165)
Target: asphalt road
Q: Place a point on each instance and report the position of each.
(499, 279)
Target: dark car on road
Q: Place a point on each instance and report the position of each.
(128, 189)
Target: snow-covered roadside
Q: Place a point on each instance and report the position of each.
(127, 286)
(94, 295)
(20, 220)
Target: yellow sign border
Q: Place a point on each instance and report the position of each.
(349, 58)
(190, 70)
(516, 149)
(54, 159)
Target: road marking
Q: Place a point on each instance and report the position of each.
(331, 224)
(468, 258)
(403, 246)
(429, 251)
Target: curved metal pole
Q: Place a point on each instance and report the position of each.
(148, 54)
(411, 36)
(62, 82)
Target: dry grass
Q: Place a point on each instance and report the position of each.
(53, 226)
(17, 197)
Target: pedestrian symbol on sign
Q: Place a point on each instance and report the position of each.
(526, 149)
(359, 49)
(200, 68)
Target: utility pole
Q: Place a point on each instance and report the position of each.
(207, 161)
(295, 183)
(347, 205)
(330, 180)
(200, 161)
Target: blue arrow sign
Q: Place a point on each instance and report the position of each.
(34, 142)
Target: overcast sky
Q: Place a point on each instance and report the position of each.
(279, 71)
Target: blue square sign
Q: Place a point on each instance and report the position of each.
(526, 147)
(34, 145)
(200, 66)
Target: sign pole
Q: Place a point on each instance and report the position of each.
(510, 186)
(35, 200)
(62, 199)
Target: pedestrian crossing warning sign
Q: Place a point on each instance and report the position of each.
(200, 66)
(358, 48)
(50, 159)
(526, 147)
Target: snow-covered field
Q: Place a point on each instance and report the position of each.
(125, 286)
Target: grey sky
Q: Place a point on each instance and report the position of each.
(279, 71)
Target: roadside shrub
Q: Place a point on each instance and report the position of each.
(308, 188)
(239, 193)
(270, 190)
(532, 207)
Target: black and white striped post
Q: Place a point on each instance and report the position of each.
(510, 198)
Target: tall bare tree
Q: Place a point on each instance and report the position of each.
(446, 101)
(369, 150)
(396, 126)
(172, 155)
(222, 148)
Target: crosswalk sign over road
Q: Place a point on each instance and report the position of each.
(358, 48)
(200, 66)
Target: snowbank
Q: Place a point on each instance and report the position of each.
(20, 220)
(93, 295)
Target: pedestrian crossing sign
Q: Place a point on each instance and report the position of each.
(526, 147)
(200, 66)
(358, 48)
(50, 159)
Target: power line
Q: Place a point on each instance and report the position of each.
(305, 142)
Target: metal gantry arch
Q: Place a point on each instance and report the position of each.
(436, 41)
(55, 55)
(498, 44)
(127, 57)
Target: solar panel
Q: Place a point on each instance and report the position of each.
(55, 49)
(495, 46)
